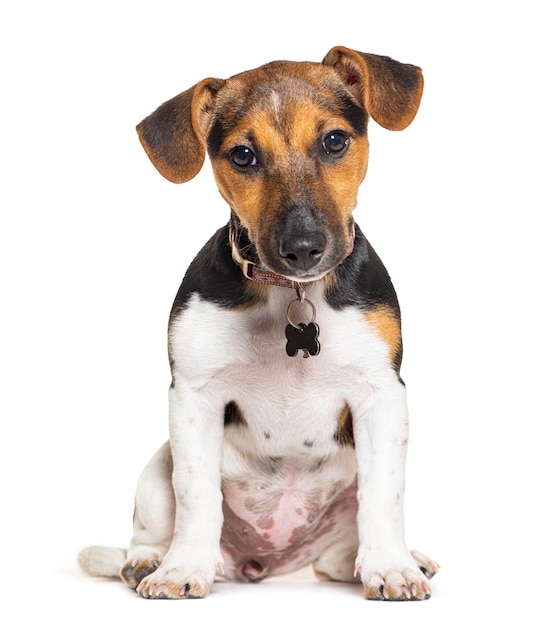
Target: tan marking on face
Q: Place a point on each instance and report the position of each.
(385, 322)
(285, 127)
(289, 167)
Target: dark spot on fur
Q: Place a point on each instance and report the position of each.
(273, 464)
(233, 415)
(318, 464)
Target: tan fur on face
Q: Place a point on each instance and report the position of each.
(286, 133)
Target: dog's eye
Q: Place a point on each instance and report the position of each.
(242, 157)
(336, 142)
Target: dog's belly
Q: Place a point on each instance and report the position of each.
(277, 525)
(287, 480)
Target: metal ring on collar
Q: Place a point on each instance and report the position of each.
(298, 301)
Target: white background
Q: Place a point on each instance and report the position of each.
(94, 243)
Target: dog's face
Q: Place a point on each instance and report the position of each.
(289, 149)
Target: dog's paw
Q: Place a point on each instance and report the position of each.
(407, 584)
(135, 570)
(393, 579)
(175, 583)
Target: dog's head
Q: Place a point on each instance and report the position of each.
(288, 146)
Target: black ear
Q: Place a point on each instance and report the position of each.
(389, 90)
(172, 136)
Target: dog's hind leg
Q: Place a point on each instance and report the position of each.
(338, 561)
(153, 519)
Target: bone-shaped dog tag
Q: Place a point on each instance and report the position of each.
(302, 337)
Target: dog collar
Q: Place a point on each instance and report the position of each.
(252, 272)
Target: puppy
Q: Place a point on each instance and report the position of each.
(288, 418)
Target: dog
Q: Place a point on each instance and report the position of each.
(288, 420)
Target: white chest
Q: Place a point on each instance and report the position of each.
(288, 403)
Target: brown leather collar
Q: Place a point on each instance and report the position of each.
(252, 272)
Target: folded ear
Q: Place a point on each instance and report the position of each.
(173, 136)
(390, 91)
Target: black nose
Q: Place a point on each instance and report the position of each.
(302, 252)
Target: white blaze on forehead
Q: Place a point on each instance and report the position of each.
(276, 102)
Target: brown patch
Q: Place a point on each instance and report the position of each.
(266, 523)
(386, 323)
(172, 141)
(390, 91)
(344, 431)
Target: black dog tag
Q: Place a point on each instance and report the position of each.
(302, 337)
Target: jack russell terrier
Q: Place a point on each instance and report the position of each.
(288, 420)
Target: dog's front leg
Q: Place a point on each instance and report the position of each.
(387, 569)
(196, 437)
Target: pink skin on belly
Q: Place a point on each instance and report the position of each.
(274, 525)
